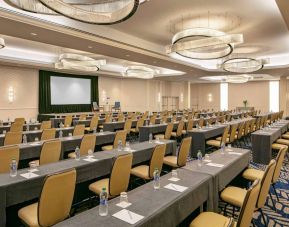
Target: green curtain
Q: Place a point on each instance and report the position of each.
(45, 94)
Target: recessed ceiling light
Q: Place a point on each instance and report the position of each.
(127, 55)
(32, 33)
(89, 47)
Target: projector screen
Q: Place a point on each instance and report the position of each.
(70, 91)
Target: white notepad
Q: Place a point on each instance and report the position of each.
(235, 153)
(176, 187)
(29, 175)
(174, 179)
(159, 142)
(35, 144)
(90, 159)
(215, 165)
(207, 160)
(123, 204)
(128, 216)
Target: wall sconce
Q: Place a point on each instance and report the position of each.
(11, 96)
(182, 97)
(159, 97)
(210, 97)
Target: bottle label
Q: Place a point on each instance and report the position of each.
(103, 202)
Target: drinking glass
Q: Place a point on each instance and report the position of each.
(123, 198)
(90, 153)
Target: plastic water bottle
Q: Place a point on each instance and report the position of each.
(157, 183)
(24, 139)
(223, 148)
(103, 204)
(60, 134)
(200, 158)
(197, 125)
(150, 138)
(61, 125)
(119, 145)
(94, 130)
(77, 153)
(13, 168)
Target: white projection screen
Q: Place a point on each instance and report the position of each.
(70, 91)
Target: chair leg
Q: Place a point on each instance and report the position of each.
(253, 223)
(273, 185)
(233, 211)
(263, 217)
(274, 206)
(225, 209)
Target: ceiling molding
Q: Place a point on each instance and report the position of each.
(283, 6)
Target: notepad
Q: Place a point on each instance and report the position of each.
(234, 153)
(215, 165)
(174, 179)
(123, 204)
(207, 160)
(35, 144)
(29, 175)
(90, 159)
(159, 142)
(176, 187)
(128, 216)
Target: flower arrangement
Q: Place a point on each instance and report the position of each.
(245, 102)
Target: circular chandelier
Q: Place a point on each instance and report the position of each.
(203, 43)
(79, 62)
(238, 79)
(138, 71)
(242, 64)
(102, 12)
(2, 43)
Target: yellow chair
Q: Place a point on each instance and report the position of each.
(19, 120)
(210, 219)
(168, 132)
(12, 138)
(45, 125)
(181, 159)
(48, 134)
(87, 143)
(93, 124)
(139, 123)
(179, 131)
(118, 180)
(16, 127)
(120, 135)
(67, 121)
(120, 117)
(153, 120)
(201, 122)
(54, 203)
(190, 126)
(146, 172)
(218, 143)
(127, 125)
(232, 136)
(6, 155)
(79, 130)
(82, 117)
(107, 120)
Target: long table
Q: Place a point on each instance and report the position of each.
(263, 139)
(31, 126)
(145, 131)
(15, 190)
(163, 207)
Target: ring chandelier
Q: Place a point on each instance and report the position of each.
(102, 12)
(238, 79)
(2, 43)
(203, 43)
(242, 64)
(141, 72)
(79, 62)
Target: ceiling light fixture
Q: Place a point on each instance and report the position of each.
(141, 72)
(242, 64)
(203, 43)
(79, 62)
(2, 43)
(238, 79)
(102, 12)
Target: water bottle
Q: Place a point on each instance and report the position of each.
(150, 138)
(207, 125)
(94, 130)
(61, 125)
(200, 158)
(157, 183)
(60, 134)
(197, 125)
(24, 139)
(119, 145)
(77, 153)
(27, 126)
(223, 148)
(103, 204)
(13, 168)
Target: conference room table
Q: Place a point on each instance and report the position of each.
(36, 134)
(263, 139)
(55, 122)
(223, 167)
(31, 126)
(16, 190)
(162, 207)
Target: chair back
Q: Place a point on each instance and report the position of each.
(157, 159)
(120, 117)
(153, 119)
(93, 123)
(258, 122)
(82, 117)
(120, 174)
(139, 123)
(240, 130)
(265, 184)
(180, 128)
(107, 118)
(6, 155)
(190, 124)
(67, 121)
(233, 133)
(164, 119)
(50, 152)
(45, 125)
(225, 135)
(48, 134)
(168, 132)
(127, 125)
(19, 120)
(79, 130)
(12, 138)
(88, 142)
(247, 126)
(201, 122)
(279, 162)
(56, 198)
(248, 207)
(16, 127)
(184, 151)
(120, 135)
(253, 123)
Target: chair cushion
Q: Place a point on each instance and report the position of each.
(29, 215)
(283, 141)
(133, 130)
(285, 136)
(234, 195)
(99, 185)
(71, 155)
(174, 134)
(107, 148)
(277, 146)
(214, 143)
(184, 132)
(210, 219)
(171, 161)
(141, 172)
(100, 126)
(253, 174)
(160, 136)
(88, 129)
(36, 162)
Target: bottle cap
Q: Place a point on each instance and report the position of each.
(103, 189)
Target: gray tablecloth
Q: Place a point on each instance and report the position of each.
(161, 207)
(233, 165)
(145, 131)
(199, 137)
(31, 127)
(15, 190)
(262, 141)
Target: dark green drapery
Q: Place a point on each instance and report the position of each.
(45, 94)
